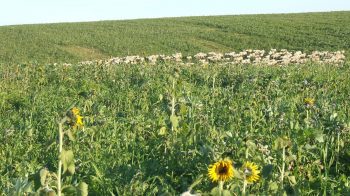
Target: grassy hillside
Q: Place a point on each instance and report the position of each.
(71, 42)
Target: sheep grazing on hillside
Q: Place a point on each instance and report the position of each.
(177, 57)
(152, 59)
(249, 56)
(200, 55)
(133, 59)
(230, 55)
(214, 57)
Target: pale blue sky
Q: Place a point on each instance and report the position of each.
(49, 11)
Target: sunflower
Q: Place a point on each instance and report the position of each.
(221, 170)
(250, 172)
(309, 102)
(75, 119)
(75, 111)
(78, 121)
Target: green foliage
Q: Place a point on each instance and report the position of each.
(70, 42)
(19, 187)
(67, 159)
(147, 132)
(82, 189)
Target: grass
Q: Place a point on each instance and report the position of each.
(72, 42)
(155, 129)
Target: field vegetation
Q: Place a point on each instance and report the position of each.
(72, 42)
(156, 129)
(169, 128)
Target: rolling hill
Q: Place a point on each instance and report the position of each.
(71, 42)
(171, 127)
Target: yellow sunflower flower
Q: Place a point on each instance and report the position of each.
(309, 101)
(221, 170)
(75, 119)
(78, 121)
(250, 172)
(75, 111)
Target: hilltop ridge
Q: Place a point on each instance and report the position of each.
(73, 42)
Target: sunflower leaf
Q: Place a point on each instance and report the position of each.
(71, 168)
(43, 175)
(82, 189)
(292, 180)
(70, 135)
(67, 159)
(320, 137)
(162, 131)
(215, 191)
(69, 190)
(174, 121)
(226, 193)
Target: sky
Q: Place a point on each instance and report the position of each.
(52, 11)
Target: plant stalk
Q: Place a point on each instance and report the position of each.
(307, 118)
(338, 147)
(283, 164)
(244, 186)
(59, 171)
(173, 104)
(221, 187)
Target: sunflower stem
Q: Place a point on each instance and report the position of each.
(173, 99)
(221, 187)
(60, 138)
(283, 164)
(244, 186)
(307, 118)
(338, 145)
(173, 102)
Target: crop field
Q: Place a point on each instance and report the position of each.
(73, 42)
(209, 127)
(156, 129)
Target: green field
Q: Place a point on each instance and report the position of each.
(155, 129)
(72, 42)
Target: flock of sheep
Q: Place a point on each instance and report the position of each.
(256, 57)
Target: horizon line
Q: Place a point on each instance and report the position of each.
(169, 17)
